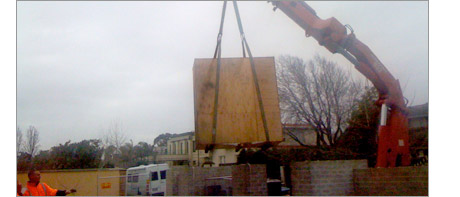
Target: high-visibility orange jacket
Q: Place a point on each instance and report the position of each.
(40, 189)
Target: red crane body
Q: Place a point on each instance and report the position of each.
(393, 137)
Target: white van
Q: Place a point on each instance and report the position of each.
(146, 180)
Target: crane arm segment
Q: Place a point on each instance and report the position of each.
(331, 34)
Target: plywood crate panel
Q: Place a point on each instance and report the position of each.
(239, 118)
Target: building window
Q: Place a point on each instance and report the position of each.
(186, 147)
(177, 147)
(154, 176)
(181, 148)
(174, 149)
(222, 159)
(194, 146)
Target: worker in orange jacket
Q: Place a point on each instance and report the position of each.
(35, 188)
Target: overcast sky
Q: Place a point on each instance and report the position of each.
(81, 65)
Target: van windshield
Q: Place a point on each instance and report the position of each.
(163, 174)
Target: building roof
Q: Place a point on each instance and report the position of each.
(184, 134)
(181, 136)
(297, 126)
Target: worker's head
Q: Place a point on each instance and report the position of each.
(34, 175)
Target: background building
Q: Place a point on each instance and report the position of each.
(180, 150)
(297, 134)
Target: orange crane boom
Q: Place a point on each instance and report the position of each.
(393, 137)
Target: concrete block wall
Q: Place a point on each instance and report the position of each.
(240, 180)
(301, 179)
(320, 178)
(249, 180)
(405, 181)
(172, 180)
(210, 176)
(192, 181)
(315, 178)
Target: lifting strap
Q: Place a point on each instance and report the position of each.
(253, 68)
(217, 53)
(219, 36)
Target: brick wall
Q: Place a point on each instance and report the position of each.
(249, 180)
(321, 178)
(406, 181)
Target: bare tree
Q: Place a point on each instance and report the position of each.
(19, 141)
(317, 93)
(115, 136)
(31, 144)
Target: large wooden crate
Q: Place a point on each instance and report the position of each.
(239, 119)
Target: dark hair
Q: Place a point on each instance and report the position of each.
(31, 171)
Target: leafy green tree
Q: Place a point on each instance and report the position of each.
(142, 151)
(81, 155)
(43, 161)
(366, 115)
(361, 135)
(87, 154)
(24, 161)
(127, 156)
(62, 155)
(110, 157)
(162, 139)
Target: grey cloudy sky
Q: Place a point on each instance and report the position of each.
(81, 65)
